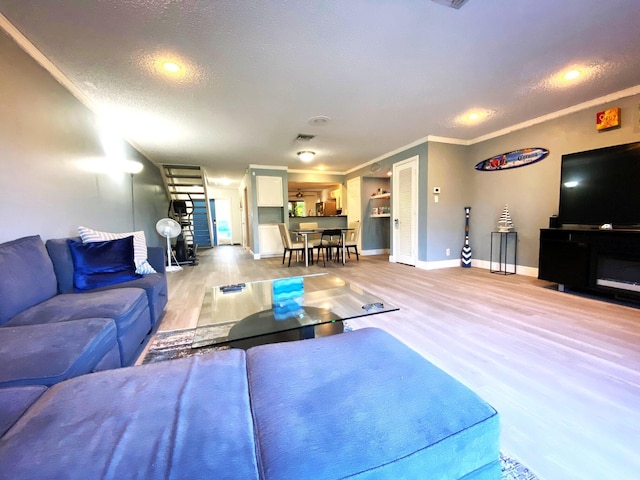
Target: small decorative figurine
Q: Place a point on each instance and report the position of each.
(504, 222)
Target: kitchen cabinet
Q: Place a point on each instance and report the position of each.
(270, 241)
(269, 191)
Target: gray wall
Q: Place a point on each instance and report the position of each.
(47, 137)
(386, 164)
(532, 192)
(448, 170)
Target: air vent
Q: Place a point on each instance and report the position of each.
(304, 138)
(451, 3)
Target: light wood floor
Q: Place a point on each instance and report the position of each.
(562, 370)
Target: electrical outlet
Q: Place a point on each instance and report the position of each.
(448, 251)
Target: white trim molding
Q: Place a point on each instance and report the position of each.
(483, 264)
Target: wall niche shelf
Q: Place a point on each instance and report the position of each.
(380, 208)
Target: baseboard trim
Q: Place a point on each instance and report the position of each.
(375, 251)
(520, 269)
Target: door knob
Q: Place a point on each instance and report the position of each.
(396, 222)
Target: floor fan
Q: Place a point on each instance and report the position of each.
(169, 228)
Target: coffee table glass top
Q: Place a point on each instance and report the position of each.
(238, 312)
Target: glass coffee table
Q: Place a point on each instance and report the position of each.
(292, 308)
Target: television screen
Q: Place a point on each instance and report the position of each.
(601, 186)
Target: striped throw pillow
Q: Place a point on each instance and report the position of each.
(139, 245)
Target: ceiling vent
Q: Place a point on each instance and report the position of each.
(451, 3)
(304, 138)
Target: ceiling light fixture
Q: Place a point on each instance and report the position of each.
(473, 116)
(319, 120)
(306, 155)
(171, 67)
(572, 74)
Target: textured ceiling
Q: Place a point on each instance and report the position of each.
(387, 72)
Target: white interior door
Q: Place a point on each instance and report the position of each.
(354, 204)
(405, 211)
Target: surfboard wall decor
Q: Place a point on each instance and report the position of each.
(517, 158)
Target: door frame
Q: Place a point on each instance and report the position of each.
(411, 162)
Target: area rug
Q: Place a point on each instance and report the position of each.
(177, 344)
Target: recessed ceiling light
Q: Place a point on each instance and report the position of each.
(171, 67)
(572, 74)
(473, 116)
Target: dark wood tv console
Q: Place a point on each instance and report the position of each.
(607, 261)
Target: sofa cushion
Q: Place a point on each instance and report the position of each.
(186, 418)
(97, 264)
(49, 353)
(155, 285)
(363, 405)
(60, 254)
(127, 307)
(14, 401)
(27, 276)
(139, 245)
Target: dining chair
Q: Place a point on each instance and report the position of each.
(312, 239)
(328, 242)
(352, 238)
(290, 246)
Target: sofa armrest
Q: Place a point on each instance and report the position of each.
(155, 255)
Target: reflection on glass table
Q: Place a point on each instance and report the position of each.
(281, 309)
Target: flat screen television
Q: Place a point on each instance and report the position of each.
(601, 186)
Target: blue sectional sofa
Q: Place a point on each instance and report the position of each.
(50, 332)
(357, 405)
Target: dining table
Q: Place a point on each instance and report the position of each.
(305, 232)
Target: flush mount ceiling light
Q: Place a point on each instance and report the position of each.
(306, 155)
(319, 120)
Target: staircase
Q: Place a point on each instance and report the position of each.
(189, 206)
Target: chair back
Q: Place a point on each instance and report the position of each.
(308, 225)
(354, 235)
(284, 235)
(330, 233)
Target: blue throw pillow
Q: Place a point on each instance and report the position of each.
(98, 264)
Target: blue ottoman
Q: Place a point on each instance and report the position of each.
(363, 405)
(181, 419)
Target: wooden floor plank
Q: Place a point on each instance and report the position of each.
(563, 370)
